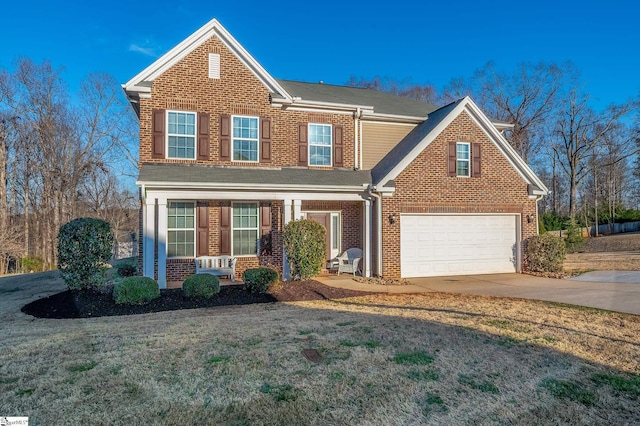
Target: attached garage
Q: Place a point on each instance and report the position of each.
(465, 244)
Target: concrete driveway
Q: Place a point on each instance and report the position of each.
(613, 290)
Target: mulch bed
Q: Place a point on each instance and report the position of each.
(92, 303)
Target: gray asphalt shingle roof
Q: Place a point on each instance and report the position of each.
(286, 176)
(383, 103)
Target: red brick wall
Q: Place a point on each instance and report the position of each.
(500, 189)
(186, 86)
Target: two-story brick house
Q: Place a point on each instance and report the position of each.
(229, 155)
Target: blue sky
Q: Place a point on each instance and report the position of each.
(421, 41)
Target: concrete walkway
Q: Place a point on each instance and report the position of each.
(623, 296)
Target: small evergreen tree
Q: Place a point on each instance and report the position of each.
(84, 248)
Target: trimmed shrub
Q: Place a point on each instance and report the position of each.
(201, 285)
(304, 241)
(136, 291)
(84, 248)
(261, 280)
(545, 253)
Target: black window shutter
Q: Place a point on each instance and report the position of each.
(476, 155)
(203, 231)
(451, 159)
(157, 125)
(203, 136)
(225, 230)
(225, 137)
(338, 147)
(265, 140)
(302, 145)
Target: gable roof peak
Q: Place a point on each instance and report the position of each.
(140, 85)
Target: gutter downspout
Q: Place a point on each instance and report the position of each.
(378, 260)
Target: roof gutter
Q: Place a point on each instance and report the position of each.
(250, 186)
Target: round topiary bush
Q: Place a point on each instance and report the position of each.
(84, 248)
(261, 280)
(201, 285)
(135, 291)
(305, 243)
(545, 253)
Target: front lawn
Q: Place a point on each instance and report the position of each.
(377, 359)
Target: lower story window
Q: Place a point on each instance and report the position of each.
(181, 230)
(245, 229)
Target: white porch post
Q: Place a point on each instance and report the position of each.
(297, 209)
(148, 236)
(367, 238)
(286, 273)
(162, 242)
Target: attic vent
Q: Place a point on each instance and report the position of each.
(214, 65)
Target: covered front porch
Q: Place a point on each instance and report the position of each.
(185, 219)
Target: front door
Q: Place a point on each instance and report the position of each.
(331, 223)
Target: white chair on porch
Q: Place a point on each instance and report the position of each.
(349, 261)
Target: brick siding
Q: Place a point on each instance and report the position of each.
(500, 189)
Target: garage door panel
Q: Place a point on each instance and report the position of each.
(434, 245)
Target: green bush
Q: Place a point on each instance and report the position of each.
(136, 291)
(553, 221)
(84, 248)
(541, 228)
(32, 264)
(126, 270)
(201, 285)
(304, 241)
(261, 280)
(545, 253)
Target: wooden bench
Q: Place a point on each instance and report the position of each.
(216, 265)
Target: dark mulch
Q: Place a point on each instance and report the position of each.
(90, 303)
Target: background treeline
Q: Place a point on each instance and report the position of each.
(64, 156)
(588, 158)
(61, 157)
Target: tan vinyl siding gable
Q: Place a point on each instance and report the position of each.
(378, 139)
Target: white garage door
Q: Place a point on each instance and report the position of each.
(432, 245)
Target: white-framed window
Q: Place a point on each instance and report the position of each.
(181, 229)
(463, 159)
(245, 227)
(245, 138)
(320, 145)
(181, 134)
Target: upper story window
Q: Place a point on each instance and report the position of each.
(320, 145)
(181, 134)
(245, 139)
(463, 159)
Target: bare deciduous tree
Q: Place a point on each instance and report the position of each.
(579, 132)
(56, 146)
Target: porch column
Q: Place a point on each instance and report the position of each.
(367, 238)
(297, 209)
(148, 236)
(286, 273)
(162, 242)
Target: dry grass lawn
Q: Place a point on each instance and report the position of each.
(606, 253)
(393, 360)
